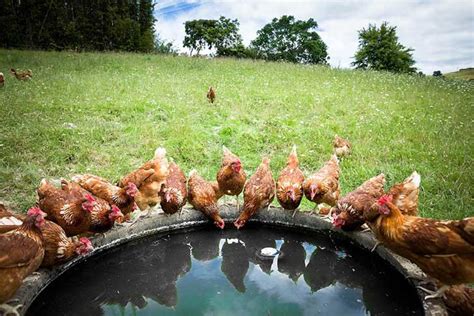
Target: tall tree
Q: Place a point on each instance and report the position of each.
(221, 35)
(146, 19)
(291, 40)
(379, 49)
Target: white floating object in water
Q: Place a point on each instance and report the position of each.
(269, 252)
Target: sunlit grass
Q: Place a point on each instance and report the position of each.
(125, 105)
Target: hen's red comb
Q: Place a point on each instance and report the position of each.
(384, 199)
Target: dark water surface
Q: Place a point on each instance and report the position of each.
(211, 272)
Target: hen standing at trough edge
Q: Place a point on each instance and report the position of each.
(289, 186)
(58, 248)
(123, 198)
(149, 186)
(173, 193)
(323, 186)
(259, 192)
(202, 196)
(442, 249)
(231, 176)
(65, 206)
(22, 253)
(349, 212)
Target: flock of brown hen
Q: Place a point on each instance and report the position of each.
(88, 204)
(18, 74)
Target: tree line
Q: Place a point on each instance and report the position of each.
(288, 39)
(77, 24)
(128, 25)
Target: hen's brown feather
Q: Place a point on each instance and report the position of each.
(21, 253)
(289, 186)
(326, 182)
(64, 207)
(202, 197)
(230, 182)
(175, 189)
(259, 192)
(437, 247)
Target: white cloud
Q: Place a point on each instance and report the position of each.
(441, 32)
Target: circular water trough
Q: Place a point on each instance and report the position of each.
(161, 223)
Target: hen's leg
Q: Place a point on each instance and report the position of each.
(312, 211)
(8, 310)
(293, 216)
(375, 246)
(434, 294)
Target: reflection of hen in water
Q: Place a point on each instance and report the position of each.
(320, 271)
(254, 242)
(151, 274)
(235, 263)
(205, 245)
(164, 271)
(292, 260)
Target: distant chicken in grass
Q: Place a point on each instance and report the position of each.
(231, 176)
(2, 79)
(22, 75)
(323, 186)
(58, 248)
(149, 186)
(202, 196)
(123, 198)
(173, 193)
(66, 206)
(349, 211)
(341, 146)
(211, 95)
(259, 192)
(289, 186)
(444, 250)
(21, 254)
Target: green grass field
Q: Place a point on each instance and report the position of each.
(125, 105)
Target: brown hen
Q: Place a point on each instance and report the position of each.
(231, 176)
(211, 95)
(341, 146)
(202, 196)
(22, 253)
(259, 192)
(65, 206)
(2, 79)
(459, 300)
(349, 211)
(22, 75)
(289, 186)
(58, 248)
(173, 193)
(148, 179)
(442, 249)
(323, 186)
(123, 198)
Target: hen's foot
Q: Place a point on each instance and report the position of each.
(8, 310)
(434, 294)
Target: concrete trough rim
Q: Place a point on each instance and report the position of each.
(275, 216)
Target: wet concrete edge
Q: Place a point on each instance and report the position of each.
(159, 222)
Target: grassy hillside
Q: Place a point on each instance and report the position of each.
(125, 105)
(464, 74)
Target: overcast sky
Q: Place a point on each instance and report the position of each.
(440, 32)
